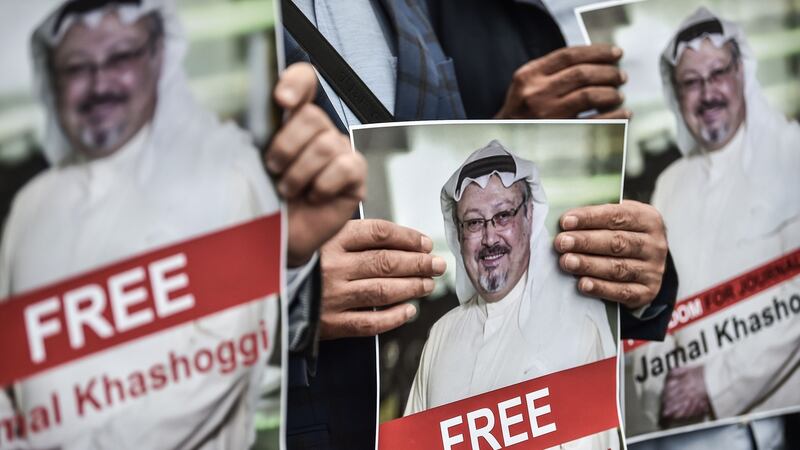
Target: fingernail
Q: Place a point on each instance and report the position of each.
(588, 285)
(438, 265)
(287, 96)
(426, 244)
(567, 242)
(623, 75)
(628, 113)
(428, 285)
(616, 51)
(571, 262)
(410, 311)
(569, 222)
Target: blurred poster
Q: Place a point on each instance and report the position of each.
(505, 351)
(713, 88)
(142, 246)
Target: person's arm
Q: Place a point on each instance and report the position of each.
(565, 83)
(374, 264)
(317, 172)
(303, 290)
(733, 382)
(619, 253)
(322, 180)
(650, 322)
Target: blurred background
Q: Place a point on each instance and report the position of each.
(230, 42)
(579, 163)
(642, 29)
(231, 48)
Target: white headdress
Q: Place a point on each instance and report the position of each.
(703, 24)
(493, 159)
(551, 304)
(176, 109)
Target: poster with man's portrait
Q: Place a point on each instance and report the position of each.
(714, 90)
(503, 349)
(142, 246)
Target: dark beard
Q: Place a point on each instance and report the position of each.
(493, 281)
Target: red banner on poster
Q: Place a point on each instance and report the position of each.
(729, 293)
(139, 296)
(536, 414)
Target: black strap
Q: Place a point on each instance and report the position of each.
(711, 26)
(475, 169)
(350, 88)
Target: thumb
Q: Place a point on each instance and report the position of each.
(296, 86)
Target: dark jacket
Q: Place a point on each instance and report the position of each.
(332, 396)
(505, 34)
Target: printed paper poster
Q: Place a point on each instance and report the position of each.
(505, 352)
(714, 95)
(142, 247)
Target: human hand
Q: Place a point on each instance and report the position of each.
(374, 264)
(566, 82)
(619, 251)
(684, 396)
(317, 172)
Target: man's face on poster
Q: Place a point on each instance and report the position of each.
(495, 232)
(105, 80)
(710, 85)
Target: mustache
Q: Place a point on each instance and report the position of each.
(100, 99)
(496, 249)
(710, 104)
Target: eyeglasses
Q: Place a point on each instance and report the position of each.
(116, 63)
(501, 221)
(694, 84)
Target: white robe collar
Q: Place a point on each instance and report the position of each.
(502, 307)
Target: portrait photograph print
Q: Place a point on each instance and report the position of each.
(714, 91)
(505, 350)
(142, 252)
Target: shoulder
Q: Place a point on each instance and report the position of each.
(39, 189)
(676, 169)
(675, 174)
(31, 199)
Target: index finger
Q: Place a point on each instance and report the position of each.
(368, 234)
(296, 86)
(594, 54)
(367, 323)
(604, 217)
